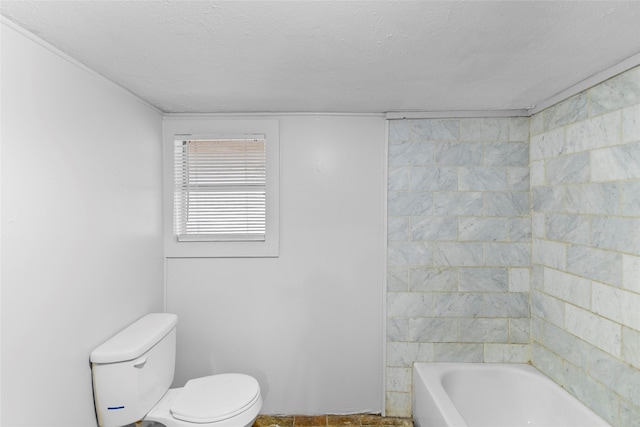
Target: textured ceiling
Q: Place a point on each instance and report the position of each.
(332, 56)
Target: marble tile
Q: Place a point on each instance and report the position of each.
(399, 131)
(398, 404)
(507, 353)
(484, 330)
(495, 129)
(592, 393)
(399, 379)
(548, 199)
(511, 304)
(572, 168)
(520, 229)
(595, 199)
(595, 264)
(598, 132)
(483, 280)
(507, 254)
(455, 352)
(568, 228)
(567, 287)
(631, 346)
(616, 304)
(538, 225)
(433, 279)
(631, 198)
(519, 331)
(402, 354)
(631, 124)
(548, 145)
(459, 153)
(506, 203)
(549, 254)
(397, 228)
(435, 130)
(538, 176)
(414, 203)
(471, 129)
(519, 129)
(616, 163)
(398, 178)
(425, 352)
(631, 273)
(566, 345)
(536, 329)
(458, 304)
(397, 329)
(518, 178)
(482, 179)
(547, 362)
(506, 154)
(457, 203)
(629, 414)
(536, 124)
(569, 111)
(434, 228)
(408, 304)
(594, 329)
(409, 253)
(433, 179)
(519, 280)
(483, 229)
(457, 254)
(618, 92)
(411, 154)
(547, 308)
(434, 329)
(618, 376)
(616, 233)
(397, 279)
(537, 277)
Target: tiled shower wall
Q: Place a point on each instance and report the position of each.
(459, 246)
(585, 179)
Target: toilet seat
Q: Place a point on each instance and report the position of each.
(242, 413)
(215, 398)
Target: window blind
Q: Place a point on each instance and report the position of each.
(220, 189)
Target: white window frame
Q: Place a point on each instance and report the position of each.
(202, 127)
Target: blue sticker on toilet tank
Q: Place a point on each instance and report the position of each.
(113, 408)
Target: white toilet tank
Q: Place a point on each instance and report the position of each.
(134, 369)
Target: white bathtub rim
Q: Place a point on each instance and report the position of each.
(446, 408)
(434, 372)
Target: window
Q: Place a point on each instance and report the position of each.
(222, 182)
(220, 191)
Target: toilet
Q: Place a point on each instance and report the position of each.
(132, 373)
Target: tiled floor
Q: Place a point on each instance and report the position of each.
(331, 421)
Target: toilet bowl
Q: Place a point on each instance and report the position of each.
(237, 403)
(132, 373)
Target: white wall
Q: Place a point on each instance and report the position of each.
(81, 224)
(307, 325)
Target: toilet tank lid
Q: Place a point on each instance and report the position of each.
(136, 339)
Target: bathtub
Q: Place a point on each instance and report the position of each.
(493, 395)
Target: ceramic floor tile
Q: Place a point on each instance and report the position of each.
(359, 420)
(309, 421)
(270, 421)
(343, 420)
